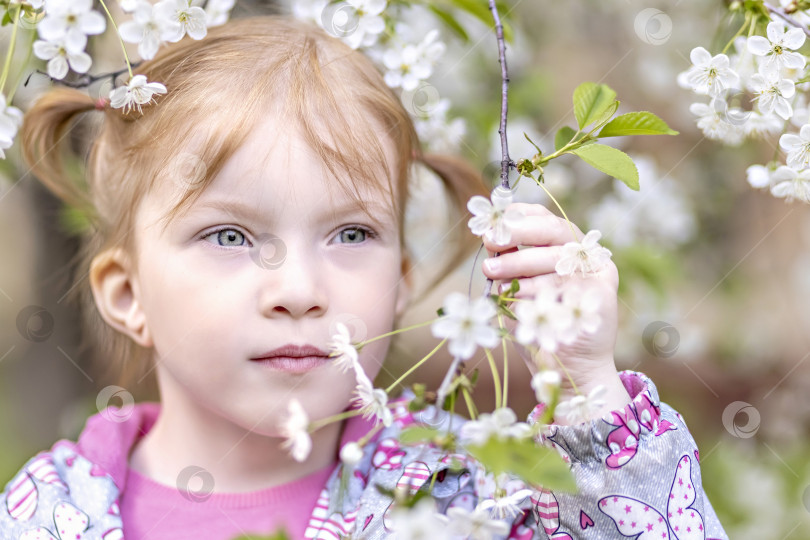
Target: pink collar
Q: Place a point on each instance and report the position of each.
(108, 437)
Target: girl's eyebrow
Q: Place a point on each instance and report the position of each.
(240, 209)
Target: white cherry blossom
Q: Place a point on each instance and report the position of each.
(500, 494)
(149, 28)
(545, 384)
(351, 454)
(758, 176)
(777, 48)
(10, 121)
(440, 133)
(358, 23)
(712, 121)
(217, 12)
(633, 217)
(373, 402)
(190, 19)
(491, 218)
(585, 256)
(342, 348)
(476, 524)
(542, 319)
(501, 423)
(136, 93)
(764, 126)
(710, 75)
(72, 20)
(772, 94)
(791, 184)
(128, 6)
(583, 304)
(294, 430)
(466, 324)
(581, 408)
(60, 54)
(420, 522)
(409, 65)
(797, 147)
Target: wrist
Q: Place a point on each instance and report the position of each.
(615, 396)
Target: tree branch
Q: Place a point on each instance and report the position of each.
(782, 14)
(506, 162)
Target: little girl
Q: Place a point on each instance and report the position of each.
(233, 223)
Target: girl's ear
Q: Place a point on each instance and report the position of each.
(405, 288)
(116, 293)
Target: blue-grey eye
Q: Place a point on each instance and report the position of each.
(353, 235)
(228, 237)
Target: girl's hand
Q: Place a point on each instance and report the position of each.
(589, 359)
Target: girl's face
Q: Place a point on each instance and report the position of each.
(268, 255)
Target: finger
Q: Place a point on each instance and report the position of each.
(537, 230)
(529, 287)
(527, 262)
(509, 250)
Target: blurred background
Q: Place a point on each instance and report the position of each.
(715, 276)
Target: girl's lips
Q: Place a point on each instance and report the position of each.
(292, 364)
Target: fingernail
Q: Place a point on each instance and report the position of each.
(492, 264)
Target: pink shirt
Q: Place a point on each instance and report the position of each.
(154, 511)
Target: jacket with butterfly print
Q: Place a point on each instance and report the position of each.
(636, 470)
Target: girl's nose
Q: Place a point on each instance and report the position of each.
(290, 279)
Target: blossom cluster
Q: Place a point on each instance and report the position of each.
(63, 28)
(771, 70)
(406, 55)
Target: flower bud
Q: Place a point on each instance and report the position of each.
(525, 167)
(351, 454)
(546, 384)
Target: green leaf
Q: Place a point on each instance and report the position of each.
(532, 143)
(450, 21)
(418, 434)
(636, 123)
(611, 161)
(532, 463)
(590, 102)
(480, 10)
(563, 137)
(605, 116)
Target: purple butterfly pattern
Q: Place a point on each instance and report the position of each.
(637, 519)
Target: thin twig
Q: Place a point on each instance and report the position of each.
(506, 162)
(779, 12)
(85, 80)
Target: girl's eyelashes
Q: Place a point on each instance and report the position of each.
(356, 234)
(231, 237)
(227, 237)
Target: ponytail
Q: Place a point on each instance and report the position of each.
(461, 182)
(44, 127)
